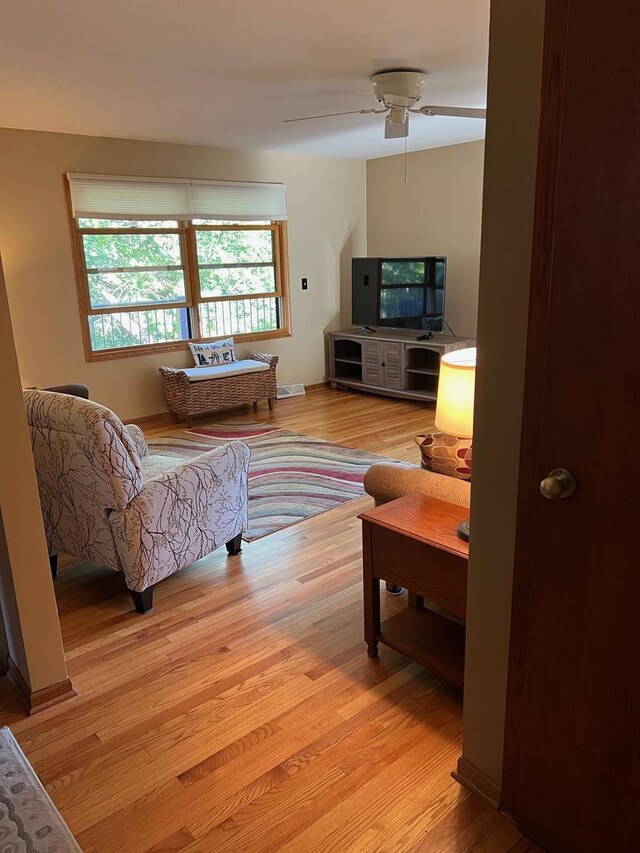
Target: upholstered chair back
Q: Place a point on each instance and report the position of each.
(87, 465)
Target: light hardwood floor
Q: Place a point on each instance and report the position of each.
(242, 713)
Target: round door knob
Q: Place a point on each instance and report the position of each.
(559, 483)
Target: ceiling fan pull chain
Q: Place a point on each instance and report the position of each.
(405, 159)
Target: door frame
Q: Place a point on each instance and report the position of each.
(553, 81)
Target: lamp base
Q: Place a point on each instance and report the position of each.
(463, 530)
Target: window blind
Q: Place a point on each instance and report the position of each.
(235, 200)
(121, 197)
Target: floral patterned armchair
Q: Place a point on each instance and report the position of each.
(106, 499)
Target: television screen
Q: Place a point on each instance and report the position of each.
(403, 293)
(401, 302)
(402, 272)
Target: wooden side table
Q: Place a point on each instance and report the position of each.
(412, 542)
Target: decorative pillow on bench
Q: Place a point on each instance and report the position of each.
(216, 352)
(446, 454)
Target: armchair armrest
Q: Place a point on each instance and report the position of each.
(137, 437)
(183, 514)
(387, 481)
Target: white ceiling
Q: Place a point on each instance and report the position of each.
(226, 72)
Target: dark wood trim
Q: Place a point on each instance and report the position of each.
(38, 700)
(475, 780)
(370, 593)
(553, 82)
(152, 420)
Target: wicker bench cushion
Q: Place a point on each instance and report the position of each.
(222, 371)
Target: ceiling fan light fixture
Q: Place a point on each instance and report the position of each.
(401, 88)
(398, 90)
(397, 129)
(397, 115)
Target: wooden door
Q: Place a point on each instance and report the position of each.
(392, 365)
(572, 745)
(372, 363)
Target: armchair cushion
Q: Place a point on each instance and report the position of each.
(182, 514)
(153, 465)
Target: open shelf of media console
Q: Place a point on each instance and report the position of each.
(390, 362)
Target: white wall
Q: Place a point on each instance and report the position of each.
(515, 58)
(437, 212)
(327, 209)
(26, 590)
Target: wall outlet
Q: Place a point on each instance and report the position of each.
(305, 284)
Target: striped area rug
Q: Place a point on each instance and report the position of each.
(291, 476)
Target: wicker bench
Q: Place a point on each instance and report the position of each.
(187, 395)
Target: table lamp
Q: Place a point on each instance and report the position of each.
(454, 408)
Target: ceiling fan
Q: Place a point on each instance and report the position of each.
(399, 90)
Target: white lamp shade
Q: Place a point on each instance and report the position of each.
(454, 409)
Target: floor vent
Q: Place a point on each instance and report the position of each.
(285, 391)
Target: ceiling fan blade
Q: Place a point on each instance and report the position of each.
(456, 112)
(330, 115)
(396, 130)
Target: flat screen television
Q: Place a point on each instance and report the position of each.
(401, 293)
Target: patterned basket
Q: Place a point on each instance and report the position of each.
(193, 398)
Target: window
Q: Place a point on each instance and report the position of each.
(147, 282)
(238, 274)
